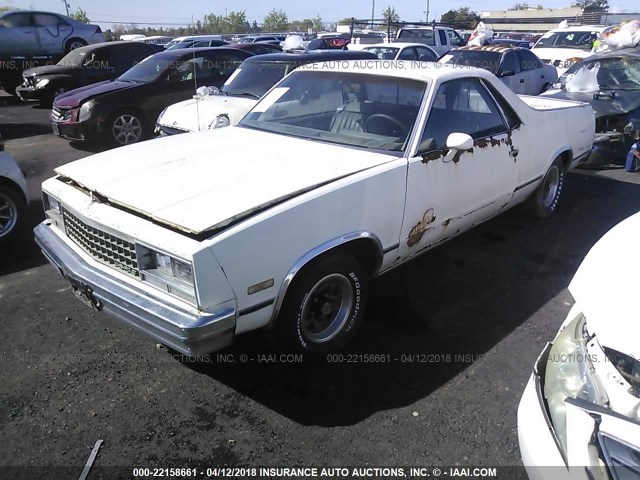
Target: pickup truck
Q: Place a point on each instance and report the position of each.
(341, 172)
(440, 39)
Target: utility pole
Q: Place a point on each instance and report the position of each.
(427, 11)
(67, 6)
(373, 11)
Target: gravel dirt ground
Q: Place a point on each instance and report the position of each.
(477, 310)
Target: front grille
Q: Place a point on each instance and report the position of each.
(59, 114)
(104, 247)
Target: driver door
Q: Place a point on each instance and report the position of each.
(449, 191)
(52, 33)
(18, 35)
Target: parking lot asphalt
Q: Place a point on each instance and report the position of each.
(476, 312)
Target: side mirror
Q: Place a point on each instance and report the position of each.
(507, 73)
(459, 141)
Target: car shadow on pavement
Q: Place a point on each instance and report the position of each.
(11, 131)
(22, 252)
(432, 319)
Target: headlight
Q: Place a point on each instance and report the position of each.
(168, 273)
(569, 373)
(51, 203)
(85, 111)
(161, 114)
(42, 83)
(220, 121)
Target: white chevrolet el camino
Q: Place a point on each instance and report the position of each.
(341, 172)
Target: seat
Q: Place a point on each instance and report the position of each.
(349, 118)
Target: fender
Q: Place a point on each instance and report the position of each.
(315, 253)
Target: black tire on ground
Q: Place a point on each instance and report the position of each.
(544, 88)
(544, 200)
(13, 210)
(323, 308)
(57, 90)
(125, 128)
(9, 85)
(74, 43)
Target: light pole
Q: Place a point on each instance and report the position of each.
(427, 11)
(67, 6)
(373, 11)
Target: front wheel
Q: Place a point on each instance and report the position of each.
(544, 200)
(126, 128)
(323, 308)
(12, 213)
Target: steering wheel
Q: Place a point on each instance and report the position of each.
(387, 118)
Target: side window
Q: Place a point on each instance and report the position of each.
(98, 59)
(218, 66)
(510, 63)
(46, 20)
(454, 38)
(17, 20)
(407, 54)
(426, 54)
(510, 115)
(443, 37)
(463, 106)
(528, 61)
(126, 56)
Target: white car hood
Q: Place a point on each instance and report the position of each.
(198, 113)
(206, 180)
(561, 54)
(606, 287)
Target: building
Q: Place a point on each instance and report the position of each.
(544, 19)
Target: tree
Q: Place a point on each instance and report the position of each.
(6, 9)
(237, 22)
(275, 21)
(520, 6)
(318, 26)
(601, 4)
(81, 16)
(462, 18)
(390, 15)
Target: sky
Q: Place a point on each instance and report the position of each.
(106, 12)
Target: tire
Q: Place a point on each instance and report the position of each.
(13, 209)
(323, 308)
(74, 43)
(544, 200)
(10, 85)
(125, 128)
(544, 88)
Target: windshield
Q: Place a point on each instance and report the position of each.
(173, 42)
(618, 73)
(421, 35)
(488, 60)
(149, 70)
(582, 40)
(255, 78)
(74, 58)
(360, 110)
(383, 53)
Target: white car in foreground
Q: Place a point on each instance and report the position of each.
(13, 196)
(342, 171)
(402, 51)
(579, 417)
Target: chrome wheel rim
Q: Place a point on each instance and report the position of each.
(127, 129)
(550, 186)
(326, 308)
(8, 215)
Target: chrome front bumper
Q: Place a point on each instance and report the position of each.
(186, 332)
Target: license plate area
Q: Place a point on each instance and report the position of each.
(84, 293)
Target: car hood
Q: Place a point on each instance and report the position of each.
(622, 103)
(606, 288)
(74, 98)
(198, 113)
(553, 54)
(207, 180)
(48, 70)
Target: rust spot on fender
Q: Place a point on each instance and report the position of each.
(430, 156)
(417, 232)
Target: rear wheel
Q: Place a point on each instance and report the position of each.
(544, 200)
(323, 308)
(126, 127)
(74, 43)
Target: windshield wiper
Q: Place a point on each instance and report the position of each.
(244, 93)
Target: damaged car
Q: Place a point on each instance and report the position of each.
(578, 418)
(610, 82)
(339, 173)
